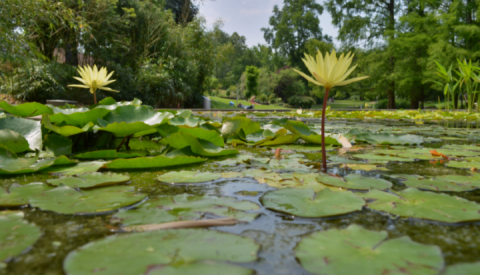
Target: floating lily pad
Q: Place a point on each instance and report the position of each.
(111, 104)
(355, 181)
(65, 131)
(234, 161)
(355, 250)
(78, 117)
(151, 162)
(182, 251)
(197, 146)
(374, 157)
(390, 139)
(307, 203)
(187, 207)
(58, 145)
(16, 235)
(18, 195)
(11, 164)
(462, 269)
(414, 203)
(80, 168)
(110, 154)
(31, 130)
(188, 177)
(231, 175)
(464, 164)
(295, 180)
(27, 109)
(66, 200)
(14, 141)
(232, 126)
(90, 180)
(436, 184)
(63, 160)
(364, 167)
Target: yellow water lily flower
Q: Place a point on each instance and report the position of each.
(330, 71)
(94, 79)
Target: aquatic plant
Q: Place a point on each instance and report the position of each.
(94, 79)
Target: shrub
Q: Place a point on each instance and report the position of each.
(289, 84)
(228, 93)
(263, 98)
(304, 102)
(278, 100)
(252, 74)
(340, 96)
(399, 103)
(271, 99)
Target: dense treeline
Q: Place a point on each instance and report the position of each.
(162, 52)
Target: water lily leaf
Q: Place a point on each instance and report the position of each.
(355, 181)
(234, 161)
(186, 207)
(231, 175)
(153, 148)
(414, 203)
(464, 164)
(462, 147)
(31, 130)
(464, 269)
(58, 145)
(232, 126)
(364, 167)
(11, 164)
(208, 135)
(178, 251)
(304, 148)
(110, 154)
(355, 250)
(78, 117)
(27, 109)
(80, 168)
(63, 160)
(295, 180)
(374, 157)
(16, 235)
(390, 139)
(66, 200)
(64, 131)
(188, 177)
(110, 103)
(197, 146)
(14, 141)
(190, 121)
(307, 203)
(152, 162)
(289, 164)
(436, 184)
(131, 114)
(18, 195)
(281, 140)
(90, 180)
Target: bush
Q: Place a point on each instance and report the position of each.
(278, 100)
(303, 102)
(399, 103)
(340, 96)
(263, 98)
(271, 99)
(289, 84)
(228, 93)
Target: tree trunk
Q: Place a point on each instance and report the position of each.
(391, 99)
(414, 100)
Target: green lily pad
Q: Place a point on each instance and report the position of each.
(187, 207)
(462, 269)
(174, 252)
(78, 117)
(355, 181)
(18, 195)
(390, 139)
(462, 147)
(197, 146)
(152, 162)
(364, 167)
(14, 141)
(234, 161)
(234, 125)
(464, 164)
(373, 157)
(131, 114)
(307, 203)
(188, 177)
(58, 145)
(414, 203)
(436, 184)
(90, 180)
(63, 160)
(110, 154)
(355, 250)
(16, 235)
(66, 200)
(31, 130)
(111, 104)
(65, 131)
(231, 175)
(80, 168)
(27, 109)
(295, 180)
(11, 164)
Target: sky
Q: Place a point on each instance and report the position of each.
(247, 17)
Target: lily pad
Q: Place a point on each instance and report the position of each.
(65, 131)
(110, 154)
(234, 161)
(464, 164)
(188, 177)
(355, 181)
(90, 180)
(78, 117)
(16, 235)
(31, 130)
(182, 251)
(14, 141)
(27, 109)
(373, 157)
(58, 145)
(232, 126)
(307, 203)
(80, 168)
(197, 146)
(414, 203)
(364, 167)
(187, 207)
(18, 195)
(151, 162)
(355, 250)
(295, 180)
(111, 104)
(11, 164)
(462, 269)
(66, 200)
(436, 184)
(390, 139)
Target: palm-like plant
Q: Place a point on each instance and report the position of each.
(450, 85)
(466, 73)
(328, 71)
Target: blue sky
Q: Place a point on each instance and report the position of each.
(247, 17)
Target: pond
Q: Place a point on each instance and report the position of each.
(408, 209)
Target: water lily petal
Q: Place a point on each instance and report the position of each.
(351, 80)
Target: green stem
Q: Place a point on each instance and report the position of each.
(324, 152)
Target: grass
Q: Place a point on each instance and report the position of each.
(223, 103)
(345, 104)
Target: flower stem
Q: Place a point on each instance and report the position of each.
(324, 153)
(95, 97)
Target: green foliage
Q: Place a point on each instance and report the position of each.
(303, 102)
(263, 98)
(288, 84)
(340, 95)
(400, 104)
(252, 74)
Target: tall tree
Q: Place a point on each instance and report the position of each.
(373, 21)
(292, 26)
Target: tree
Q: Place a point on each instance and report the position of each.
(292, 26)
(252, 74)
